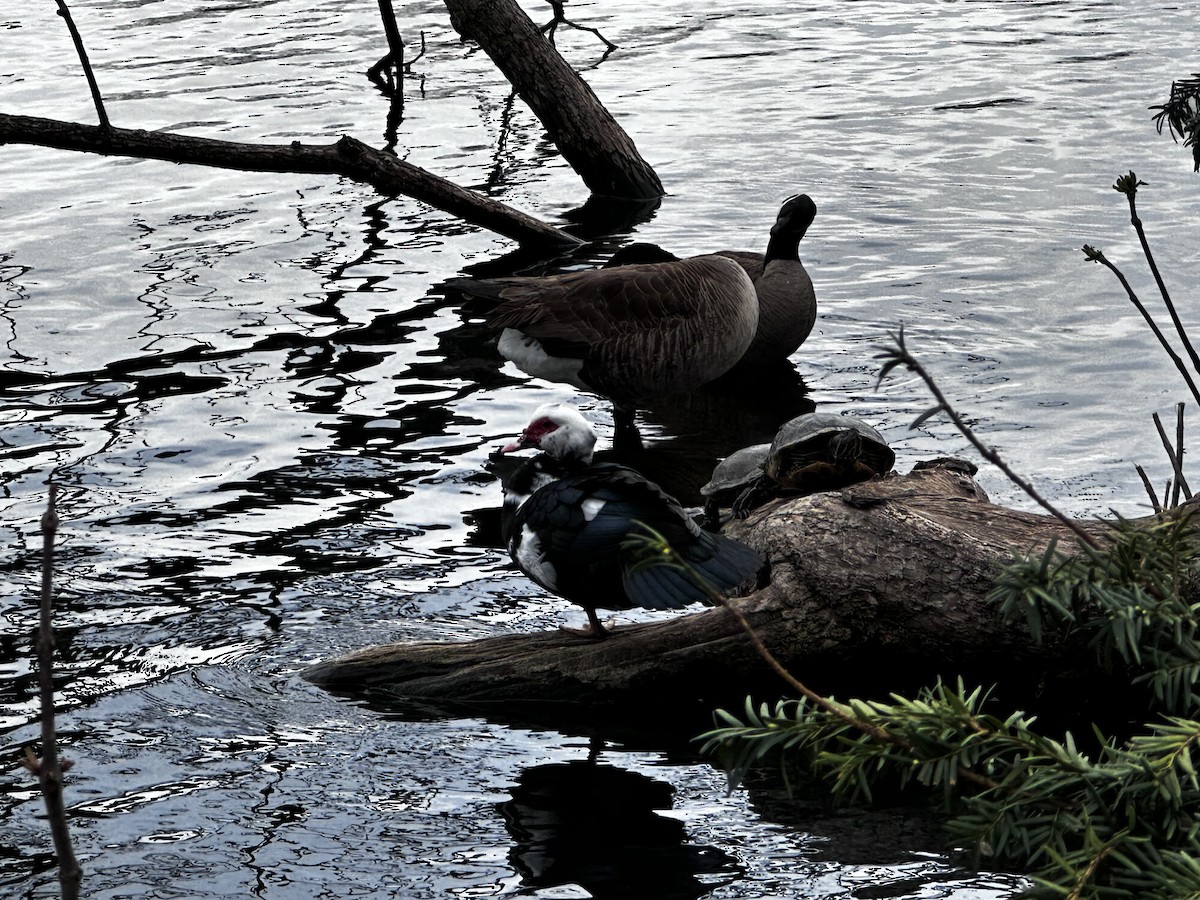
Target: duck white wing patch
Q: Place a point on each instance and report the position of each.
(532, 560)
(591, 507)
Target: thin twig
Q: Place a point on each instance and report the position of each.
(1181, 482)
(657, 551)
(560, 18)
(899, 355)
(1095, 255)
(83, 60)
(1149, 488)
(1128, 185)
(50, 768)
(408, 63)
(1085, 877)
(1175, 458)
(392, 61)
(835, 709)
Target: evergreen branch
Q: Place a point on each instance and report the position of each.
(1181, 113)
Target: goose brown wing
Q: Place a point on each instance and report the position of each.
(641, 328)
(598, 304)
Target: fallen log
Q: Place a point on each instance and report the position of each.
(586, 134)
(878, 587)
(347, 157)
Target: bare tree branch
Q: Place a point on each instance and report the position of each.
(586, 134)
(50, 768)
(347, 157)
(85, 62)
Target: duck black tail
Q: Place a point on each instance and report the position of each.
(723, 563)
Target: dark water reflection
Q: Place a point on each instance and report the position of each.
(272, 430)
(597, 826)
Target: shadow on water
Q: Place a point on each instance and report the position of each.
(597, 826)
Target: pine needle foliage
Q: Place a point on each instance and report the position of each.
(1181, 115)
(1136, 599)
(1113, 821)
(1102, 816)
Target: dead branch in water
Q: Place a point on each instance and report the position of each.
(49, 769)
(560, 18)
(347, 157)
(93, 86)
(586, 134)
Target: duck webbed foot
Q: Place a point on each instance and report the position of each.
(595, 630)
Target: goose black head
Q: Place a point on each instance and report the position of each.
(796, 214)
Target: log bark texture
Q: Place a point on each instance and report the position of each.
(346, 157)
(879, 586)
(588, 137)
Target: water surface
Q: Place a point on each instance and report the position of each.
(270, 428)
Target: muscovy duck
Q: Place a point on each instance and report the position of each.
(567, 518)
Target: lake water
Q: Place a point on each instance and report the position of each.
(270, 428)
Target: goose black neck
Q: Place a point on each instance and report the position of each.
(785, 245)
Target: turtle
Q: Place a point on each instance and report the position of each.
(817, 452)
(731, 476)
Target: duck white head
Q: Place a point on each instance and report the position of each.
(559, 431)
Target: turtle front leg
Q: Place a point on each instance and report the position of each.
(712, 515)
(755, 494)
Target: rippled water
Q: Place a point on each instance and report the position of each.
(270, 428)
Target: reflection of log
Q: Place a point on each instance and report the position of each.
(877, 587)
(583, 130)
(347, 157)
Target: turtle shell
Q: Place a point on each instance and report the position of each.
(734, 473)
(823, 451)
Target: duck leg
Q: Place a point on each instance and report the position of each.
(595, 630)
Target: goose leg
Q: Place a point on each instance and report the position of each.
(626, 436)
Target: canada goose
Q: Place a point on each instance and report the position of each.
(787, 306)
(630, 333)
(650, 325)
(567, 520)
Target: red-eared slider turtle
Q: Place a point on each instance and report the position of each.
(730, 478)
(817, 452)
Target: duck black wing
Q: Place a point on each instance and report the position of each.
(570, 536)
